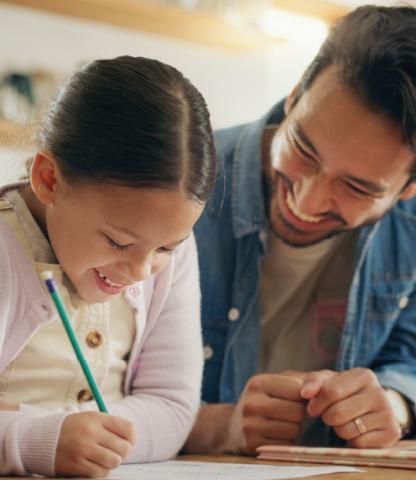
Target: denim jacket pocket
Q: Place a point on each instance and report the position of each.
(386, 307)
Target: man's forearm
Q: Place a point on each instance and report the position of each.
(211, 429)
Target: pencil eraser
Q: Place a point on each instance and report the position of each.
(46, 275)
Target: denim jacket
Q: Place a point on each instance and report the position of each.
(380, 326)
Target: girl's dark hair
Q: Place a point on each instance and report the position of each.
(374, 50)
(134, 122)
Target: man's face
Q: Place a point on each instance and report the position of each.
(335, 165)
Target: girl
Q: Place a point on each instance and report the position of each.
(125, 167)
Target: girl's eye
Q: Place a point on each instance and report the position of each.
(116, 245)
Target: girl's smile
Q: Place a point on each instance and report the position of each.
(106, 285)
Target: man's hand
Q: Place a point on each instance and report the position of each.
(355, 404)
(91, 444)
(270, 410)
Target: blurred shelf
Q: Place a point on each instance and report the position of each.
(324, 9)
(14, 134)
(160, 19)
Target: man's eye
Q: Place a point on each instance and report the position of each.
(116, 245)
(357, 190)
(301, 150)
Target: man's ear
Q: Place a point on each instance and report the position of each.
(292, 99)
(409, 191)
(44, 176)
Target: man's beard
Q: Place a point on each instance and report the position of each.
(327, 236)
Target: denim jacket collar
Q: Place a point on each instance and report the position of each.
(248, 209)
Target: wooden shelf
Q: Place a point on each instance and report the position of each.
(158, 19)
(323, 9)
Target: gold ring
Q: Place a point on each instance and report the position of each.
(360, 425)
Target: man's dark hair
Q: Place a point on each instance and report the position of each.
(374, 51)
(135, 122)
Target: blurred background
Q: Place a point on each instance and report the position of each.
(243, 55)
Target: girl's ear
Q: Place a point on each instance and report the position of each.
(44, 177)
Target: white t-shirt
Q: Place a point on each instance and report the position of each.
(304, 293)
(303, 296)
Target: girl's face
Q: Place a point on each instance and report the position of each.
(109, 237)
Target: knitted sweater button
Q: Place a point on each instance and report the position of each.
(94, 339)
(84, 395)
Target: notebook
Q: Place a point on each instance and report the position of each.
(403, 455)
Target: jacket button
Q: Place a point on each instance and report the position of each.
(84, 395)
(208, 352)
(233, 314)
(94, 339)
(403, 302)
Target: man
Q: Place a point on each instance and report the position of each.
(307, 254)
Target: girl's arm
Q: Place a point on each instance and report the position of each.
(20, 434)
(165, 392)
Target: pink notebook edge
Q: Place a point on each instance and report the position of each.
(358, 462)
(371, 453)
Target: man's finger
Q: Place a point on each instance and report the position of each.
(341, 386)
(362, 425)
(376, 439)
(367, 401)
(277, 408)
(271, 429)
(314, 381)
(276, 386)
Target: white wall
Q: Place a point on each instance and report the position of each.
(237, 87)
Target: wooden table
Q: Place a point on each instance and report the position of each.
(369, 474)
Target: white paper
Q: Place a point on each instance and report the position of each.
(179, 470)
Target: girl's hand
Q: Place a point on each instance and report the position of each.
(91, 444)
(8, 406)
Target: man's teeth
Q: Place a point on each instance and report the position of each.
(292, 207)
(108, 281)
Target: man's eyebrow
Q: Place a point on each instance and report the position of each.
(302, 135)
(368, 184)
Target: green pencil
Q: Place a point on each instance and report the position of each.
(51, 285)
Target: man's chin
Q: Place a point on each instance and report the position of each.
(299, 240)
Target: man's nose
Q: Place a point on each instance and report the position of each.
(313, 196)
